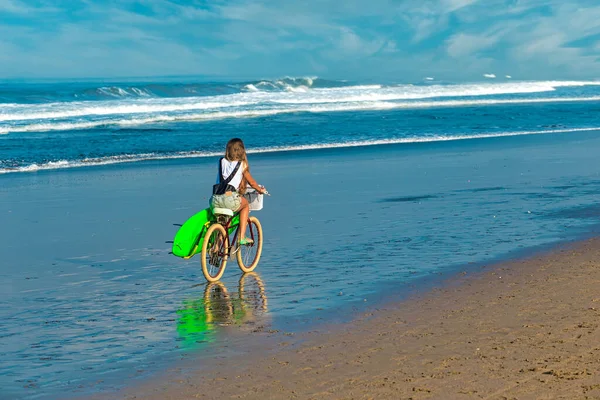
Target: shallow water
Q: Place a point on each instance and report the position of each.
(70, 125)
(91, 296)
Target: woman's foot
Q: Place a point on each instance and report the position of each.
(246, 241)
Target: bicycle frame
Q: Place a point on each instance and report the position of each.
(227, 224)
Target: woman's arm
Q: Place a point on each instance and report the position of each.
(248, 177)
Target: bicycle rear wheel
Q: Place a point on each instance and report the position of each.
(248, 255)
(215, 250)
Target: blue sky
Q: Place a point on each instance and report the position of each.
(368, 39)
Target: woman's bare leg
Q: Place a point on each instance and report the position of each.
(244, 212)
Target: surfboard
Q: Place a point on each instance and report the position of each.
(189, 237)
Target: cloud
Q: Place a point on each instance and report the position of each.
(463, 44)
(536, 38)
(349, 42)
(12, 6)
(453, 5)
(448, 39)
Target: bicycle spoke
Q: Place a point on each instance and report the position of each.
(215, 254)
(249, 255)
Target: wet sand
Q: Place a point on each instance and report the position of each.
(525, 329)
(93, 302)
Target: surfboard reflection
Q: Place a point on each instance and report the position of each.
(217, 310)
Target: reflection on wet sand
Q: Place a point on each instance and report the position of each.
(201, 319)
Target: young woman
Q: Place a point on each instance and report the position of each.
(233, 198)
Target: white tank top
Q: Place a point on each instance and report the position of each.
(227, 167)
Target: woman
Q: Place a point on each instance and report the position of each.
(234, 168)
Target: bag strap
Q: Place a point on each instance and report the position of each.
(220, 169)
(230, 177)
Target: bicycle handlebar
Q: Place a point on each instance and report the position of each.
(254, 190)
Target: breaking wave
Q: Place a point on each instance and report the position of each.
(129, 158)
(286, 84)
(69, 125)
(115, 91)
(138, 115)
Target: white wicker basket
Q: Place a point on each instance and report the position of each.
(255, 199)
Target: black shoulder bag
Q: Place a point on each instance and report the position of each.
(223, 186)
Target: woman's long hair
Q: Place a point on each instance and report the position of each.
(235, 151)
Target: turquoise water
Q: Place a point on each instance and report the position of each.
(68, 125)
(91, 297)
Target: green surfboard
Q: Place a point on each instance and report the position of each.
(188, 239)
(189, 236)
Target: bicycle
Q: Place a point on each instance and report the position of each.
(217, 248)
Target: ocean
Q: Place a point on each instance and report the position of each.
(70, 125)
(378, 191)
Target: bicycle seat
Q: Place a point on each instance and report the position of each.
(222, 211)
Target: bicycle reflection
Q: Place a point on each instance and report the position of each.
(201, 319)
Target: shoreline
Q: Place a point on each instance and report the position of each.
(108, 295)
(183, 158)
(527, 328)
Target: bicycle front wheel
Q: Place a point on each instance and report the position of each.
(248, 255)
(215, 250)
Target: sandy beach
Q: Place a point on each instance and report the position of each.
(430, 227)
(526, 329)
(94, 304)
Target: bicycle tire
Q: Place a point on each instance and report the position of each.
(208, 265)
(246, 261)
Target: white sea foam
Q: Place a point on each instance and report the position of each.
(296, 89)
(90, 108)
(118, 92)
(259, 99)
(128, 158)
(288, 84)
(490, 76)
(250, 88)
(141, 92)
(412, 92)
(347, 88)
(283, 109)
